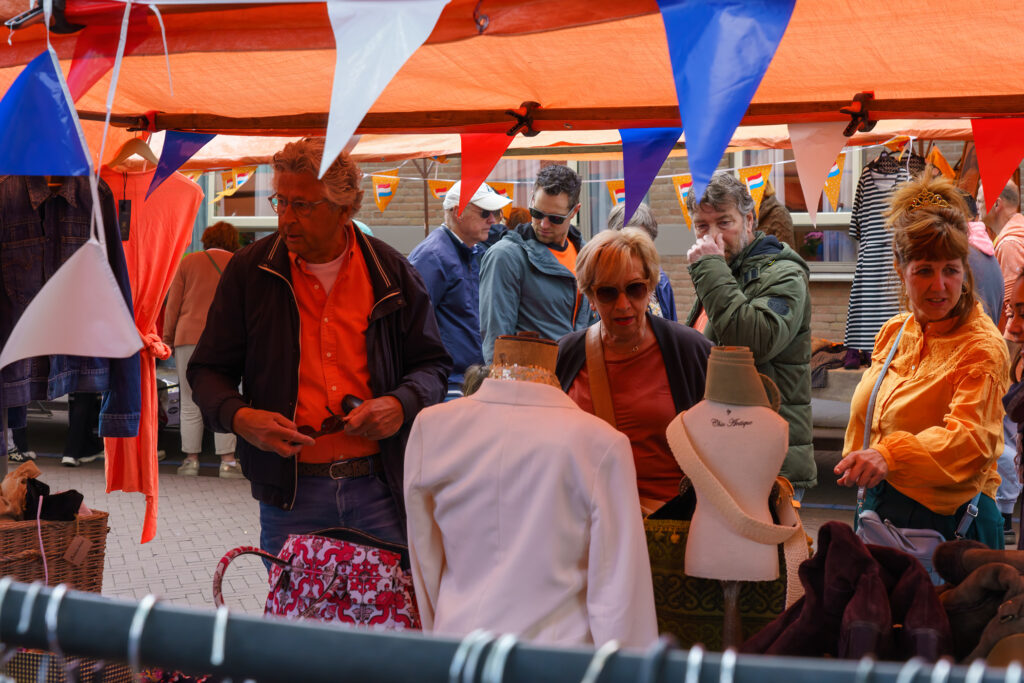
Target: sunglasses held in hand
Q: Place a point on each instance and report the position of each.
(334, 423)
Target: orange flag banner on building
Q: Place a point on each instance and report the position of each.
(233, 180)
(682, 184)
(384, 189)
(439, 188)
(833, 180)
(756, 180)
(505, 190)
(617, 190)
(936, 159)
(897, 144)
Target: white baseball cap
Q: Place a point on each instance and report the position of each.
(485, 197)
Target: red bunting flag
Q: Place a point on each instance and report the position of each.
(480, 152)
(1000, 147)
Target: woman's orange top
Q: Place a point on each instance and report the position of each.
(938, 416)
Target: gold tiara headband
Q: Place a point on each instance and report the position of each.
(928, 198)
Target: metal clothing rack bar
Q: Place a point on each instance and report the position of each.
(250, 647)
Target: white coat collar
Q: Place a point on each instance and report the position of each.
(522, 393)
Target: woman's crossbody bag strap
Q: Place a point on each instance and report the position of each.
(972, 508)
(214, 262)
(597, 375)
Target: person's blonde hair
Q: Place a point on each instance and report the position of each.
(340, 183)
(607, 257)
(928, 219)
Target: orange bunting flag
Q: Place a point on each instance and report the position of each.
(833, 180)
(683, 183)
(505, 190)
(936, 159)
(756, 180)
(384, 188)
(897, 144)
(233, 180)
(192, 175)
(439, 188)
(617, 190)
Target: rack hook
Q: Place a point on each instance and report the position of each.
(860, 117)
(599, 661)
(694, 662)
(727, 666)
(135, 631)
(524, 119)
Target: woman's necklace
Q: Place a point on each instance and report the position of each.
(635, 347)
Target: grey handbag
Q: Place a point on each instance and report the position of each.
(872, 529)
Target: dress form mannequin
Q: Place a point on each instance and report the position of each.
(731, 445)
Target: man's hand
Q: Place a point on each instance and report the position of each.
(269, 431)
(706, 246)
(376, 419)
(862, 468)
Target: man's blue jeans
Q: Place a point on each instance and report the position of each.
(362, 503)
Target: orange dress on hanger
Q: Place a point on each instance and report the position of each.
(160, 230)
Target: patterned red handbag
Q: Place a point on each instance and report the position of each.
(341, 575)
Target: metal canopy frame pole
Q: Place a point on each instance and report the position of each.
(278, 650)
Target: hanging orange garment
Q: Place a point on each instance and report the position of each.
(160, 230)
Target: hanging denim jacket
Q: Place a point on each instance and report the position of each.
(40, 228)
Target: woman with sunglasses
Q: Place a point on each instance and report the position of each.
(632, 369)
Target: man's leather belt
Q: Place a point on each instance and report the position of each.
(349, 468)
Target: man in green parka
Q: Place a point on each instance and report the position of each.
(752, 291)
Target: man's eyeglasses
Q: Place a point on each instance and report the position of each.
(485, 214)
(637, 291)
(553, 217)
(301, 208)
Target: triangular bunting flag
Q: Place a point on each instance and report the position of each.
(756, 180)
(834, 180)
(683, 183)
(480, 152)
(373, 39)
(1000, 146)
(439, 188)
(815, 147)
(82, 296)
(233, 180)
(617, 191)
(384, 188)
(96, 46)
(897, 143)
(644, 150)
(178, 148)
(938, 161)
(41, 131)
(192, 175)
(719, 53)
(505, 190)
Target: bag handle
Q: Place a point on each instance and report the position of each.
(597, 375)
(862, 490)
(214, 262)
(229, 556)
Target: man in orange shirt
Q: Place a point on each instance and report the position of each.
(528, 279)
(305, 318)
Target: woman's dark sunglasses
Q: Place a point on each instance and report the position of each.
(637, 291)
(553, 217)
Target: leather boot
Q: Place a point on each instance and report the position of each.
(974, 602)
(955, 560)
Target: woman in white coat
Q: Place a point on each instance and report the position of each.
(519, 517)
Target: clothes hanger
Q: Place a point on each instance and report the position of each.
(654, 660)
(133, 147)
(865, 668)
(694, 662)
(135, 632)
(497, 659)
(941, 671)
(885, 164)
(459, 659)
(727, 666)
(976, 671)
(908, 672)
(70, 666)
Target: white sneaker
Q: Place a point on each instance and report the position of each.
(95, 456)
(14, 455)
(68, 461)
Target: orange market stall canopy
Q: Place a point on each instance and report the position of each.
(589, 64)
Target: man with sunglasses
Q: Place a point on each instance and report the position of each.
(305, 319)
(752, 291)
(449, 262)
(528, 279)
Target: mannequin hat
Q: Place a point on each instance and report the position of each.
(733, 378)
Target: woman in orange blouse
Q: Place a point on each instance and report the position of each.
(936, 431)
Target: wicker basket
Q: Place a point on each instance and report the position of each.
(21, 558)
